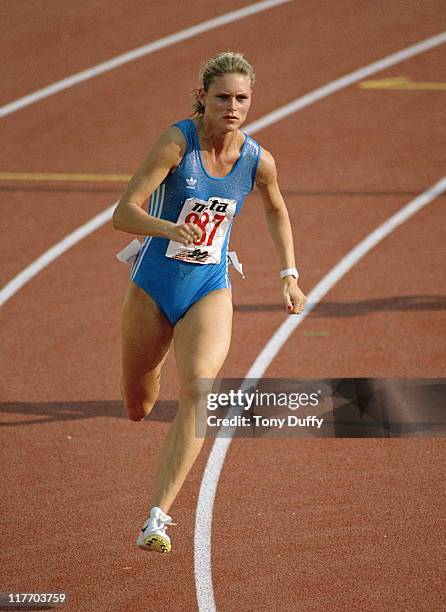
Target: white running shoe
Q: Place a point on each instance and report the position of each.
(153, 534)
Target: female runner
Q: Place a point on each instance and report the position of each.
(196, 178)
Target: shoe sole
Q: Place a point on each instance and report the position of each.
(157, 543)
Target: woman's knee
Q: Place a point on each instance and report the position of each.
(139, 402)
(195, 387)
(137, 411)
(135, 415)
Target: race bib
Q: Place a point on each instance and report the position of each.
(214, 217)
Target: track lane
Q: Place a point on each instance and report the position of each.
(351, 79)
(64, 39)
(60, 216)
(106, 570)
(71, 137)
(256, 532)
(360, 185)
(56, 131)
(402, 292)
(356, 524)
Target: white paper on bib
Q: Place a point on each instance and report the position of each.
(129, 253)
(214, 217)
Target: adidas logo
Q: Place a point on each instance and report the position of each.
(191, 182)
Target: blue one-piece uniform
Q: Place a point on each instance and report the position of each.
(177, 276)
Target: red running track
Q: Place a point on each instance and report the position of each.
(361, 520)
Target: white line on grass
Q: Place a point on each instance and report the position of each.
(34, 268)
(215, 462)
(130, 56)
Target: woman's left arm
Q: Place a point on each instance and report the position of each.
(278, 221)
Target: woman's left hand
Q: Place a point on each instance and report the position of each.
(294, 298)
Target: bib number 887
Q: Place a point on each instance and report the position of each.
(203, 221)
(214, 217)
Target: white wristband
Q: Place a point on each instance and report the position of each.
(289, 272)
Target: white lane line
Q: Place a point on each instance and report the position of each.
(54, 252)
(130, 56)
(215, 462)
(34, 268)
(346, 80)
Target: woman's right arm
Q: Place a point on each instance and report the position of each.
(129, 215)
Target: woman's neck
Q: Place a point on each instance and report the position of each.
(214, 138)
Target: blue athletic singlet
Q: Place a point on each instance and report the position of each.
(174, 275)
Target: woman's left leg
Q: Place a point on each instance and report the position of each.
(201, 341)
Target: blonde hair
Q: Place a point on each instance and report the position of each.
(227, 62)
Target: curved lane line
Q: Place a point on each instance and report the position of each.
(54, 252)
(33, 269)
(130, 56)
(214, 466)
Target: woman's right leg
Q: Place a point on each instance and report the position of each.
(146, 339)
(201, 346)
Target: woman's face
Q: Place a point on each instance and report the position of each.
(227, 101)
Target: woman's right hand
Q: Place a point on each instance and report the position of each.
(185, 233)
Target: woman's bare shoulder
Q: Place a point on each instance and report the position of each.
(168, 150)
(172, 141)
(266, 170)
(173, 134)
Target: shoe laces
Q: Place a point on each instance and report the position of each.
(162, 521)
(166, 522)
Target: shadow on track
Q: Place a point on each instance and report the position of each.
(15, 414)
(359, 308)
